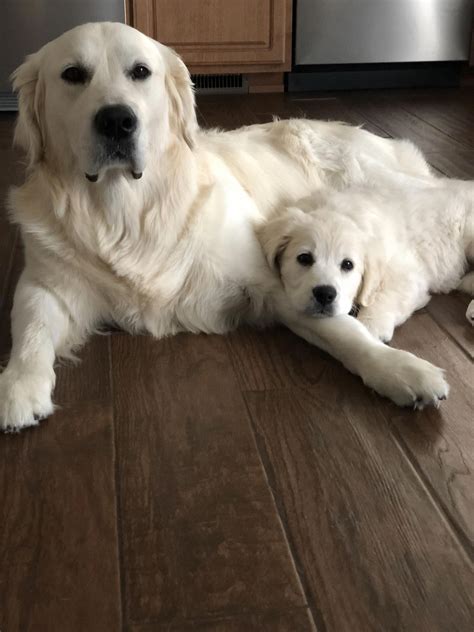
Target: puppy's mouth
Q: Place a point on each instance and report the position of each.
(319, 311)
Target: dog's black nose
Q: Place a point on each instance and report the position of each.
(324, 294)
(115, 122)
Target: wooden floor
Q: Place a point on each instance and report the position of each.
(248, 482)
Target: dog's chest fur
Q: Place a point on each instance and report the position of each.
(189, 278)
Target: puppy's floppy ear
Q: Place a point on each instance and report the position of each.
(275, 235)
(28, 130)
(374, 271)
(180, 89)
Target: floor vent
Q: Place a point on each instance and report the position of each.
(220, 84)
(8, 102)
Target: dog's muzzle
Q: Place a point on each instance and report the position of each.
(115, 126)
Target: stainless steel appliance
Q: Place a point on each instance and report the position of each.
(381, 31)
(345, 33)
(28, 24)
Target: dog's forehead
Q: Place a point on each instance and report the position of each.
(100, 42)
(331, 233)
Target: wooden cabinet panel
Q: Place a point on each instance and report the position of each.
(220, 35)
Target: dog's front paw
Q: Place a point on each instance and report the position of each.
(25, 399)
(407, 380)
(381, 327)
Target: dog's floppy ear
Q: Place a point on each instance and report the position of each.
(180, 89)
(275, 235)
(274, 243)
(28, 130)
(374, 271)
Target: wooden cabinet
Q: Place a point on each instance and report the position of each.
(220, 36)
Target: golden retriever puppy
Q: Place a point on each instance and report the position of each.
(130, 213)
(379, 252)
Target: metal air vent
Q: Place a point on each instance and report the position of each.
(8, 102)
(220, 84)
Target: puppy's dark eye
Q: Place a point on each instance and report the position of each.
(140, 72)
(74, 74)
(305, 259)
(347, 265)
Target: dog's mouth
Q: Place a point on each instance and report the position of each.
(115, 155)
(93, 177)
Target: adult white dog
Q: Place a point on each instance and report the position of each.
(131, 213)
(383, 251)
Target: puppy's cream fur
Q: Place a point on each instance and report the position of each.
(175, 250)
(404, 244)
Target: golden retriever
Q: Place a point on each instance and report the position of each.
(131, 213)
(378, 252)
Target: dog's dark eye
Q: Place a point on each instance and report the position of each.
(347, 265)
(140, 72)
(74, 74)
(305, 259)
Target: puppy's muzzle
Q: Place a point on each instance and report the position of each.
(324, 294)
(324, 297)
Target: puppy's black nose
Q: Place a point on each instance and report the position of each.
(115, 122)
(324, 294)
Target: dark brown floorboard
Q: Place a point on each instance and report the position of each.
(247, 482)
(454, 163)
(373, 547)
(444, 111)
(293, 620)
(200, 529)
(441, 443)
(58, 541)
(450, 314)
(388, 113)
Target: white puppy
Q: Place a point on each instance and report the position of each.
(130, 213)
(381, 250)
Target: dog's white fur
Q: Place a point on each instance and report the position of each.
(176, 250)
(402, 244)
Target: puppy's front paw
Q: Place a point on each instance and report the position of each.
(381, 326)
(24, 399)
(408, 380)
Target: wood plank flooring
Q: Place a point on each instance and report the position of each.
(247, 482)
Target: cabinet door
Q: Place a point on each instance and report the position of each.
(220, 35)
